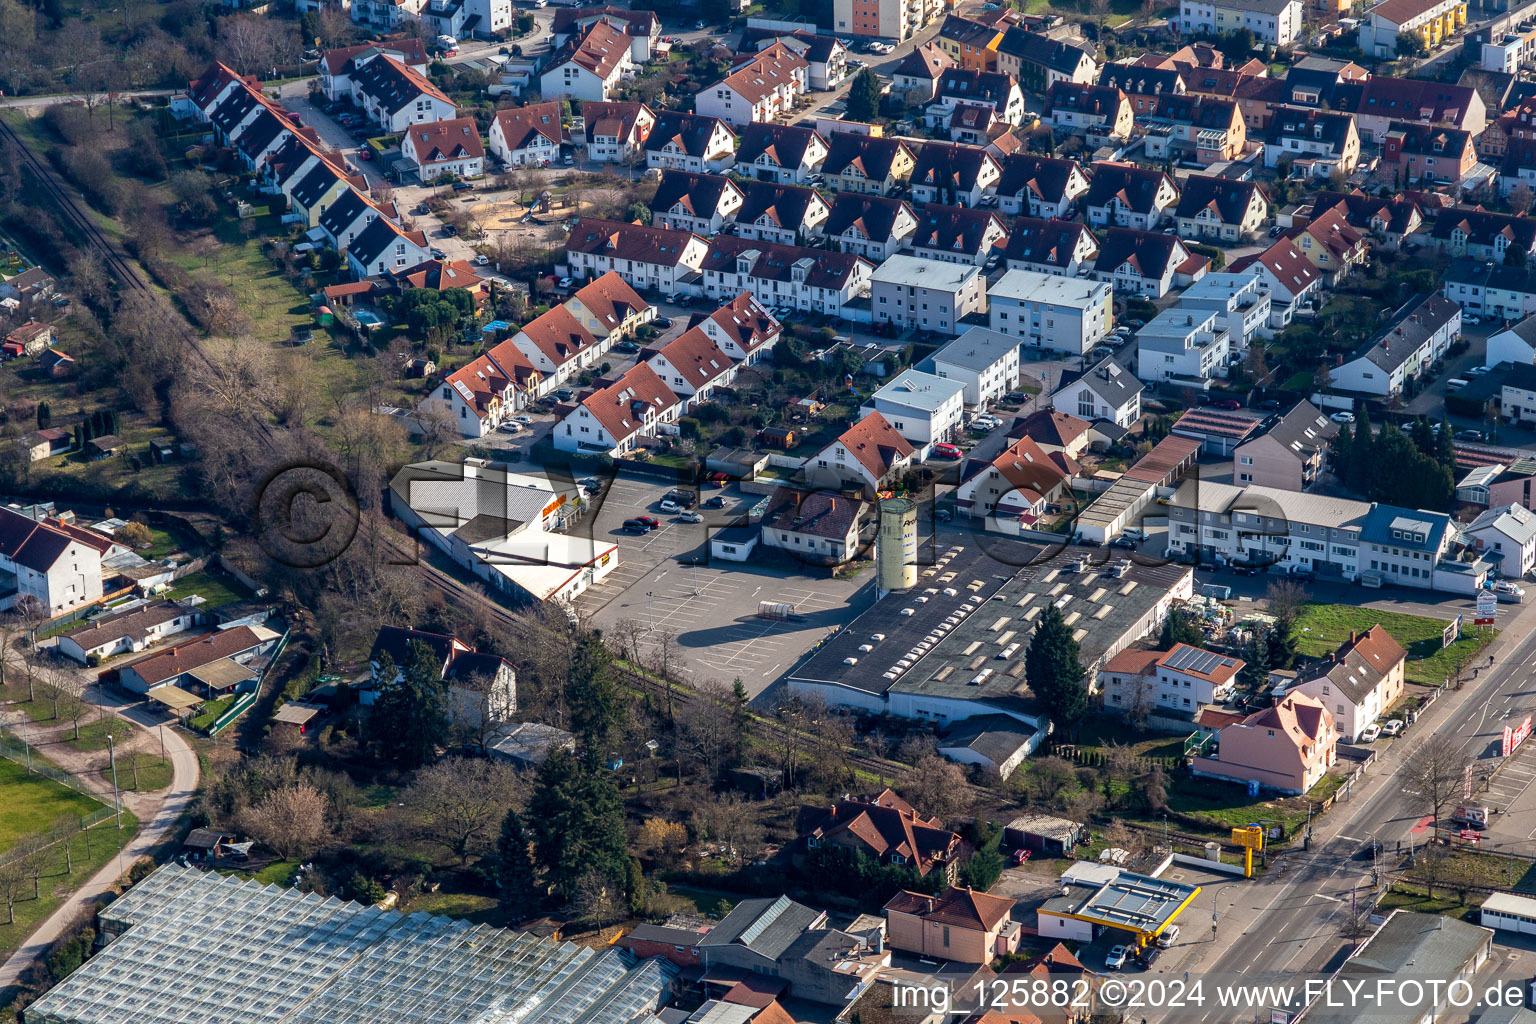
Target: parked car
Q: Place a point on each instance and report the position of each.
(438, 254)
(1116, 958)
(462, 186)
(1148, 957)
(669, 506)
(718, 501)
(564, 394)
(1269, 403)
(626, 346)
(638, 524)
(526, 421)
(592, 485)
(1168, 936)
(510, 427)
(1469, 435)
(662, 322)
(1274, 232)
(482, 260)
(947, 451)
(422, 210)
(1392, 727)
(365, 154)
(1343, 417)
(691, 517)
(650, 521)
(1370, 733)
(1226, 403)
(1471, 318)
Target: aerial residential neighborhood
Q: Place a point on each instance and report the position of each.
(796, 512)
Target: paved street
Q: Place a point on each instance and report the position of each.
(1286, 924)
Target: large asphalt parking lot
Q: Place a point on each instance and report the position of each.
(667, 584)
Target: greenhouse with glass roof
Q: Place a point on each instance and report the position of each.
(189, 945)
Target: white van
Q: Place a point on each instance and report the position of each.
(1456, 383)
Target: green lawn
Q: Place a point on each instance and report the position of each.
(93, 734)
(218, 591)
(1488, 869)
(33, 803)
(153, 774)
(273, 305)
(1322, 627)
(57, 883)
(1099, 734)
(211, 712)
(472, 906)
(162, 543)
(1413, 898)
(709, 904)
(1225, 805)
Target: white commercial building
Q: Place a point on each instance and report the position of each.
(496, 523)
(1064, 314)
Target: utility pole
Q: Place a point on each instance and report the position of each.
(117, 800)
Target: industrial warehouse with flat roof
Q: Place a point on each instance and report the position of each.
(952, 647)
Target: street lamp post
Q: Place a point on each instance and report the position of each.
(117, 800)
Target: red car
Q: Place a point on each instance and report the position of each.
(365, 154)
(1226, 403)
(648, 521)
(947, 451)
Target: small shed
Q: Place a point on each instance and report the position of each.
(732, 543)
(104, 446)
(777, 437)
(207, 843)
(296, 715)
(1044, 833)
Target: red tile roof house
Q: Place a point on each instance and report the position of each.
(1011, 491)
(761, 88)
(1286, 748)
(693, 366)
(441, 275)
(618, 417)
(526, 136)
(743, 328)
(959, 924)
(1358, 682)
(444, 147)
(482, 393)
(559, 346)
(886, 828)
(654, 259)
(616, 132)
(29, 339)
(56, 564)
(590, 65)
(870, 452)
(173, 666)
(609, 308)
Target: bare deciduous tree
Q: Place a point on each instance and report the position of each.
(1437, 771)
(734, 824)
(458, 803)
(290, 820)
(938, 787)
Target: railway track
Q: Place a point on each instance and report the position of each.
(124, 271)
(120, 268)
(527, 630)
